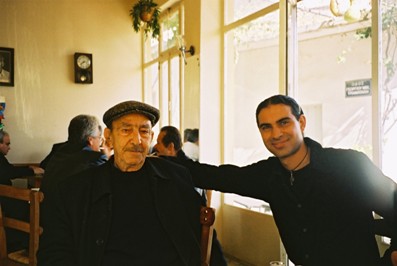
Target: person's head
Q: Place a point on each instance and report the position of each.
(4, 142)
(281, 123)
(193, 136)
(85, 130)
(129, 131)
(168, 141)
(186, 134)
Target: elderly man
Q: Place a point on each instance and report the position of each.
(132, 210)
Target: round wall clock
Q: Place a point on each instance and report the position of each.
(83, 68)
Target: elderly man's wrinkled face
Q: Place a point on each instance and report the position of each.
(130, 136)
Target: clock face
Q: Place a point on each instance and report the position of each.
(83, 61)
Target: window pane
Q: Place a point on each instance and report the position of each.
(151, 49)
(389, 86)
(334, 68)
(175, 92)
(251, 75)
(151, 85)
(170, 28)
(237, 9)
(151, 88)
(164, 94)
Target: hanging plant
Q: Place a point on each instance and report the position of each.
(145, 15)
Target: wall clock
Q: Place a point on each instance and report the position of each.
(83, 68)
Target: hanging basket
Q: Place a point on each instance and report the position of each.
(145, 15)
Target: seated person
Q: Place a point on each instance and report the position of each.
(131, 210)
(191, 144)
(14, 208)
(55, 147)
(81, 151)
(169, 144)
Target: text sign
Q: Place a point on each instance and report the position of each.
(360, 87)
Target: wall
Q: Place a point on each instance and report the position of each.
(45, 35)
(252, 237)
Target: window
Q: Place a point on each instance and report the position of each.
(333, 64)
(162, 68)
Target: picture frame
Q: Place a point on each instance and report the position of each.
(6, 66)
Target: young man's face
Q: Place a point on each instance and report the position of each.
(5, 146)
(281, 132)
(130, 137)
(161, 149)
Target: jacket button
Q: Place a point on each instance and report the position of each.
(99, 242)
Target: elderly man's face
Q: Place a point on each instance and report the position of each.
(131, 136)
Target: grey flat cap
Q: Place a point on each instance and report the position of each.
(131, 107)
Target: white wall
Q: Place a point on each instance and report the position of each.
(45, 35)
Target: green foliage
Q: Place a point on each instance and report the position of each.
(151, 26)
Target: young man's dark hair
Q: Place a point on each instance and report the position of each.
(296, 110)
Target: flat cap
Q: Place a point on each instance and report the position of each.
(131, 107)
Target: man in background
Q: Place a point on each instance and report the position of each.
(168, 144)
(16, 240)
(80, 152)
(191, 143)
(9, 171)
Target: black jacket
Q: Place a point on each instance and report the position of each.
(76, 227)
(325, 217)
(9, 171)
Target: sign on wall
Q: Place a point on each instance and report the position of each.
(359, 87)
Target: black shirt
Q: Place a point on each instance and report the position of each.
(136, 235)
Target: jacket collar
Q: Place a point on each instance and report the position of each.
(102, 175)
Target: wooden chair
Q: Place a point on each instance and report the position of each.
(207, 218)
(22, 257)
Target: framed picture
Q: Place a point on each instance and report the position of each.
(6, 67)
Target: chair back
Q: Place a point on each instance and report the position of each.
(207, 218)
(31, 227)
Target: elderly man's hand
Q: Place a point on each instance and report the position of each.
(394, 258)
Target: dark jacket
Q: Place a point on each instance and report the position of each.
(9, 171)
(325, 217)
(69, 159)
(76, 227)
(54, 149)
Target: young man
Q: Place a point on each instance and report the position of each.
(132, 210)
(322, 199)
